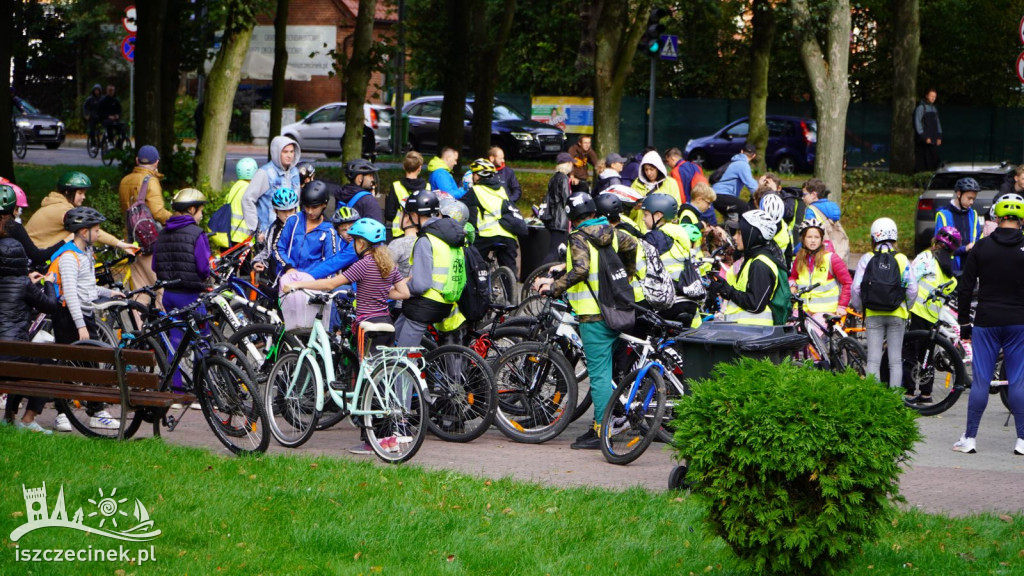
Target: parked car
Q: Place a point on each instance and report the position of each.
(939, 192)
(36, 127)
(322, 129)
(517, 135)
(791, 144)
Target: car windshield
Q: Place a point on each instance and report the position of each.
(22, 107)
(947, 180)
(505, 112)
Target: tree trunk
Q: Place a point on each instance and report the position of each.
(150, 19)
(906, 53)
(220, 97)
(491, 45)
(170, 78)
(828, 72)
(7, 33)
(455, 77)
(357, 78)
(280, 65)
(763, 23)
(618, 33)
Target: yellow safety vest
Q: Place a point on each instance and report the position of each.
(579, 295)
(925, 285)
(402, 193)
(452, 322)
(442, 254)
(488, 222)
(679, 253)
(239, 231)
(902, 311)
(733, 313)
(825, 298)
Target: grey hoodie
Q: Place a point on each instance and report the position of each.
(256, 210)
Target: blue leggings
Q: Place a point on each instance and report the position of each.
(987, 342)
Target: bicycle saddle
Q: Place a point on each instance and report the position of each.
(376, 327)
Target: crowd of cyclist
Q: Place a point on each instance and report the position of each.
(405, 249)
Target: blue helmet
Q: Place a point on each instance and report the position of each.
(285, 199)
(368, 229)
(246, 169)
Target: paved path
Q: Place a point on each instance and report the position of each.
(938, 480)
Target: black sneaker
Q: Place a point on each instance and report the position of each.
(588, 441)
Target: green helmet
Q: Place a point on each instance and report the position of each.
(72, 181)
(246, 169)
(8, 199)
(691, 231)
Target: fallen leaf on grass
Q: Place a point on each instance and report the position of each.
(376, 568)
(357, 556)
(314, 465)
(451, 558)
(17, 514)
(1006, 518)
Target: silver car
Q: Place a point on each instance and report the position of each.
(939, 192)
(35, 126)
(322, 129)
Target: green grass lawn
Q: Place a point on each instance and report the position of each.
(298, 514)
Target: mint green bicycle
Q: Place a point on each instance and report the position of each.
(385, 397)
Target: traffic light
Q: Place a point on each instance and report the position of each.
(651, 41)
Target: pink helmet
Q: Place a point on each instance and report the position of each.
(949, 238)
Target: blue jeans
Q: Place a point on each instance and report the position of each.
(987, 342)
(598, 345)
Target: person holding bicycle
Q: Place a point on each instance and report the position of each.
(814, 264)
(497, 223)
(109, 110)
(285, 202)
(995, 266)
(91, 113)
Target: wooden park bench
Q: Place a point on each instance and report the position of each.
(108, 375)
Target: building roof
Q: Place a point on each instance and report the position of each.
(386, 11)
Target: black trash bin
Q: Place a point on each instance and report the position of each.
(534, 249)
(716, 342)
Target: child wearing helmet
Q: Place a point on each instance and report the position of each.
(343, 221)
(359, 192)
(751, 292)
(994, 266)
(673, 244)
(307, 237)
(236, 231)
(960, 214)
(394, 206)
(884, 326)
(46, 226)
(497, 222)
(11, 228)
(285, 202)
(815, 263)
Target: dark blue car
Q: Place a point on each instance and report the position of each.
(791, 142)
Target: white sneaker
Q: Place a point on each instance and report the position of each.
(196, 406)
(965, 445)
(1019, 448)
(61, 424)
(104, 421)
(32, 427)
(619, 425)
(3, 401)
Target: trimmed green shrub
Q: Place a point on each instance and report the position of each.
(797, 467)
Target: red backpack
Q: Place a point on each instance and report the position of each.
(139, 222)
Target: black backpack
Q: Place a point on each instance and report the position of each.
(716, 176)
(474, 300)
(614, 294)
(882, 287)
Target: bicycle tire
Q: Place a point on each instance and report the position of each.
(530, 307)
(849, 355)
(676, 388)
(92, 146)
(943, 357)
(641, 416)
(232, 407)
(677, 478)
(536, 392)
(105, 150)
(462, 393)
(77, 411)
(263, 344)
(526, 291)
(504, 288)
(20, 144)
(405, 411)
(346, 371)
(292, 415)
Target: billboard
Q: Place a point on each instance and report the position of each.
(573, 115)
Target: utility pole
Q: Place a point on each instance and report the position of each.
(651, 45)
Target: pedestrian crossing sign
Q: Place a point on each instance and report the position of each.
(669, 47)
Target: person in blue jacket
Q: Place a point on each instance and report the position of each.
(960, 214)
(307, 237)
(736, 177)
(345, 255)
(815, 197)
(441, 178)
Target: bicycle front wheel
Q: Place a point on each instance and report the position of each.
(933, 367)
(20, 145)
(96, 419)
(536, 393)
(849, 355)
(633, 416)
(233, 407)
(92, 146)
(397, 412)
(106, 149)
(290, 398)
(463, 397)
(503, 287)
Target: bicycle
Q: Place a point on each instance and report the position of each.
(19, 144)
(830, 347)
(113, 142)
(93, 139)
(386, 397)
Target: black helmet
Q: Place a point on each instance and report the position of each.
(663, 203)
(358, 166)
(424, 202)
(967, 185)
(314, 194)
(306, 170)
(82, 217)
(608, 204)
(580, 205)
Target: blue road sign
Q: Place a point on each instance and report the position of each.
(128, 48)
(669, 47)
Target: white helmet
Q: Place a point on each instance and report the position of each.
(773, 207)
(884, 230)
(759, 220)
(625, 193)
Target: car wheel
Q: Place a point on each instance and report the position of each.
(52, 145)
(698, 157)
(786, 165)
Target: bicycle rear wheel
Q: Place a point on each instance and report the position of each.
(503, 287)
(526, 291)
(935, 364)
(105, 151)
(394, 392)
(92, 145)
(20, 144)
(463, 396)
(233, 407)
(82, 414)
(536, 392)
(346, 370)
(263, 345)
(849, 355)
(290, 398)
(633, 416)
